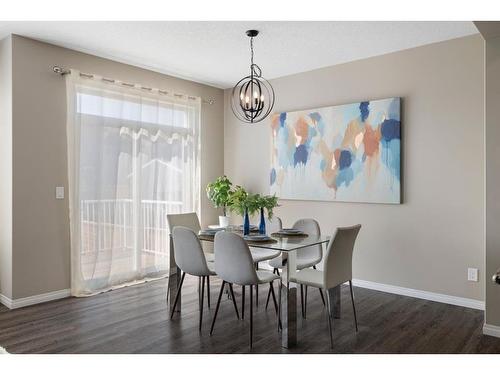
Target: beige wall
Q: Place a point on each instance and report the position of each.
(6, 167)
(492, 122)
(428, 242)
(41, 257)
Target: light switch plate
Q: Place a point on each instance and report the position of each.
(472, 274)
(59, 192)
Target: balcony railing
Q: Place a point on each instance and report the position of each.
(109, 225)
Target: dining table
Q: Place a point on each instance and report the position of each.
(288, 246)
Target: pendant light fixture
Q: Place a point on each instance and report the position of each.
(253, 96)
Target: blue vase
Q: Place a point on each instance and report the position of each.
(262, 226)
(246, 224)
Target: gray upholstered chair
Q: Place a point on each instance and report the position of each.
(189, 220)
(191, 260)
(307, 257)
(234, 265)
(337, 269)
(261, 255)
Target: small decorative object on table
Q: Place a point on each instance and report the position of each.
(267, 202)
(246, 224)
(244, 204)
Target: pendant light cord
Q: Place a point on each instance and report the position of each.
(254, 68)
(251, 52)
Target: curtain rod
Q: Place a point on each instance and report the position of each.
(62, 71)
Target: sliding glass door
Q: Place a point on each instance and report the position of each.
(133, 159)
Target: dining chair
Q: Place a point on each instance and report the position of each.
(261, 255)
(234, 265)
(337, 269)
(306, 257)
(188, 220)
(191, 260)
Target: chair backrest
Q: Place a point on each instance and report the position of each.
(189, 220)
(338, 259)
(188, 252)
(233, 260)
(274, 225)
(310, 227)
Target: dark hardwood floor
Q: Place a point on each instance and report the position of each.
(135, 320)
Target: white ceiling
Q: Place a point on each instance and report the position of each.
(217, 53)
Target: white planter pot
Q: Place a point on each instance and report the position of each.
(223, 221)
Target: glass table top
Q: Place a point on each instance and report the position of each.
(281, 243)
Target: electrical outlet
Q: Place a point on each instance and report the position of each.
(472, 274)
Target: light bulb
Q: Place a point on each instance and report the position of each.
(262, 98)
(255, 95)
(247, 99)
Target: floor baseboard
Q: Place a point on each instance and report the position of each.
(443, 298)
(6, 301)
(491, 330)
(422, 294)
(33, 300)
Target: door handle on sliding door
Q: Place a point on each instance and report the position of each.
(496, 277)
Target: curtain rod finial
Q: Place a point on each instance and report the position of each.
(57, 69)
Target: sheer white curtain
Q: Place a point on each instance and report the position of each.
(133, 157)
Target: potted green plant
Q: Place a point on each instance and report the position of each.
(219, 192)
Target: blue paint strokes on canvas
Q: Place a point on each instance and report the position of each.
(318, 120)
(300, 155)
(391, 156)
(282, 147)
(310, 135)
(345, 159)
(394, 109)
(282, 119)
(364, 110)
(344, 177)
(273, 176)
(322, 165)
(315, 116)
(390, 129)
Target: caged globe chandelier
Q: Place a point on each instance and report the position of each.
(253, 96)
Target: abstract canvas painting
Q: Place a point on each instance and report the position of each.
(347, 153)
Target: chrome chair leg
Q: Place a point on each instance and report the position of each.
(353, 307)
(328, 308)
(217, 307)
(177, 295)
